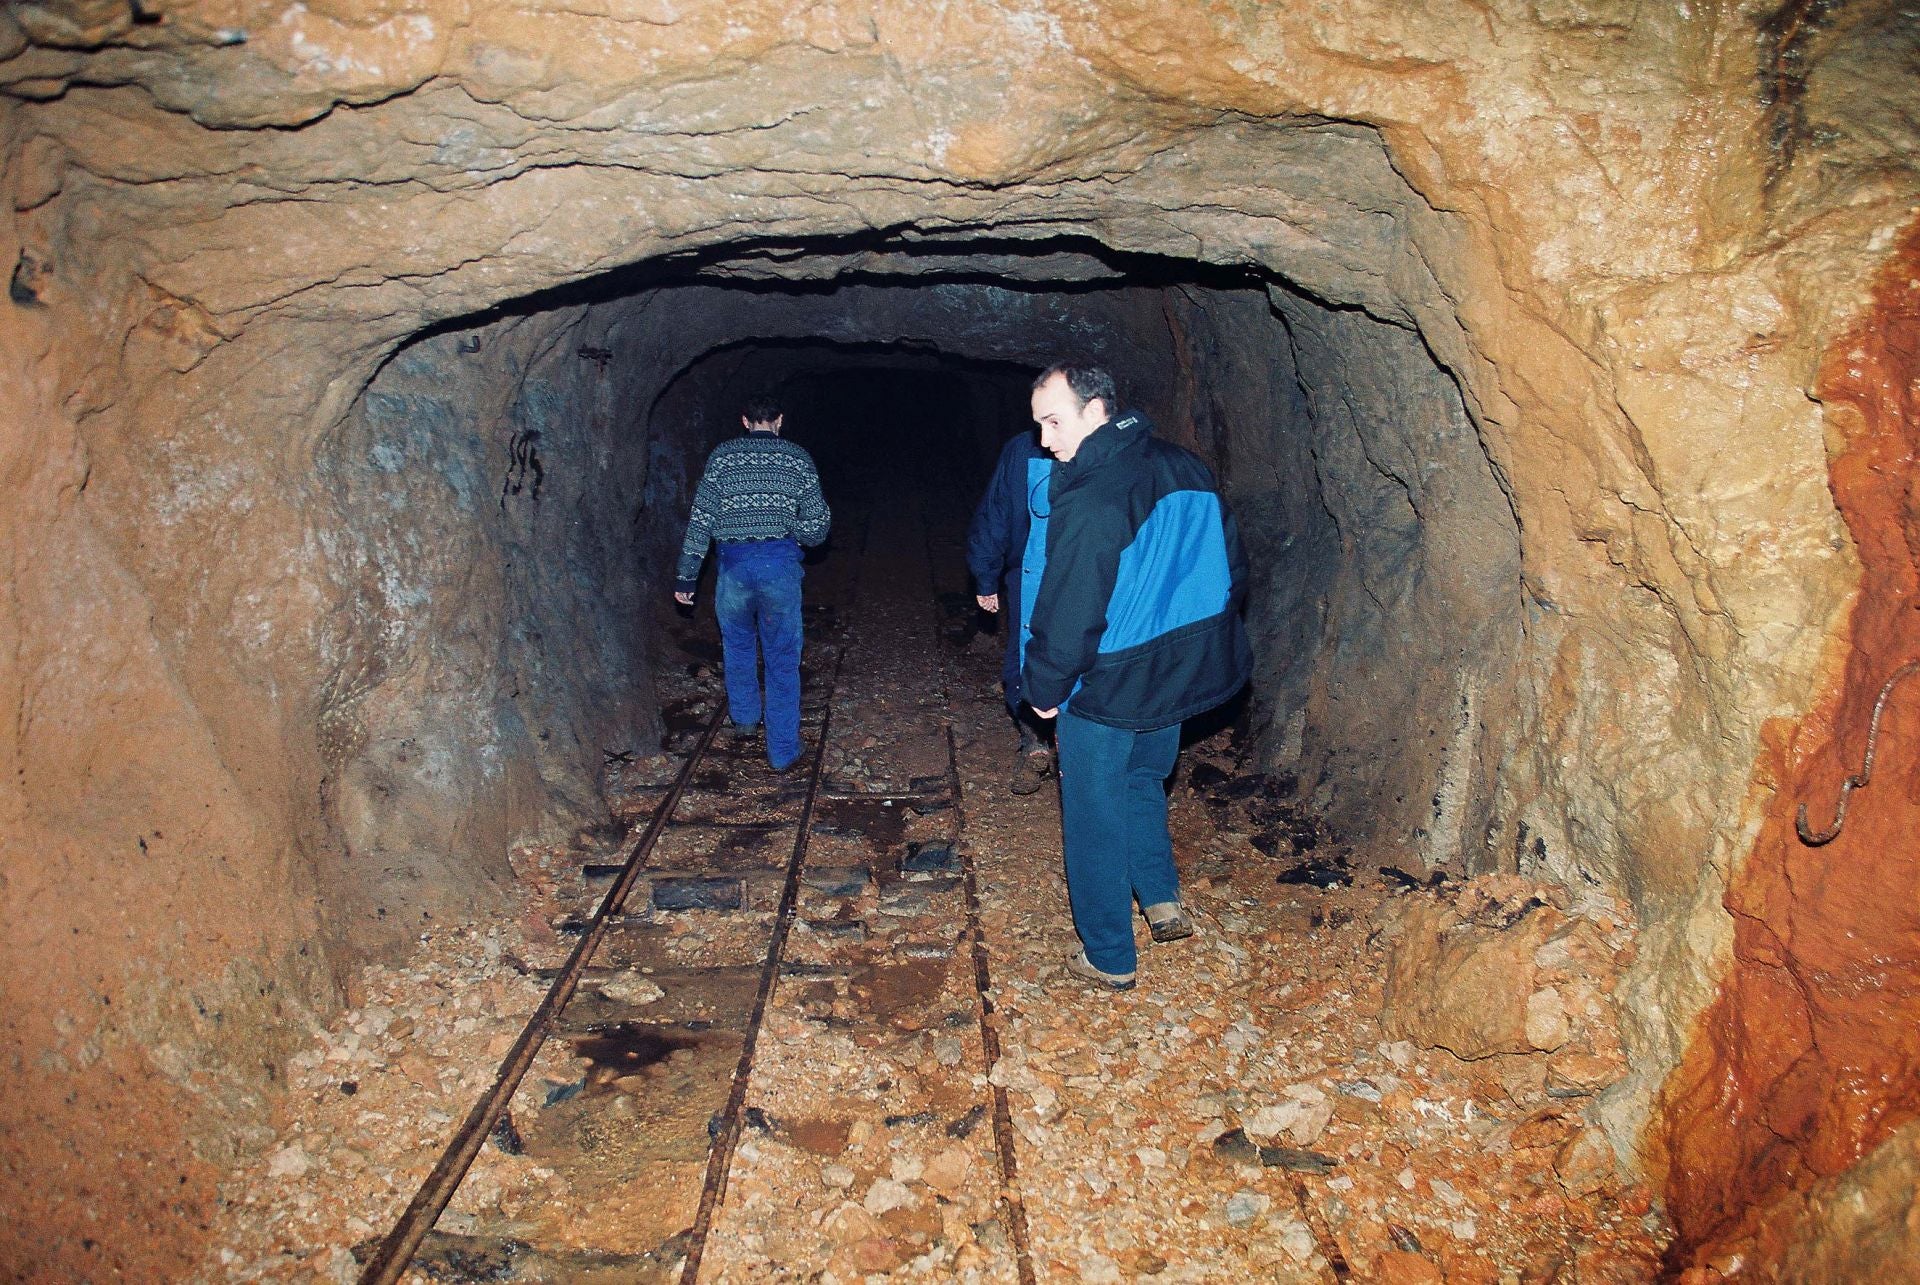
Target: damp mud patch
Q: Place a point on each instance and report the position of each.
(898, 995)
(627, 1049)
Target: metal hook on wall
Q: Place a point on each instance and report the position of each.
(1852, 783)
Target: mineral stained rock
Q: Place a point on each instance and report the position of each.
(1817, 1024)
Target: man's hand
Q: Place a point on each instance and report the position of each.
(1046, 713)
(684, 599)
(988, 601)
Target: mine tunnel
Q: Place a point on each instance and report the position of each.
(1345, 449)
(388, 897)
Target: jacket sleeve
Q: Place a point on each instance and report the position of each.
(1070, 611)
(693, 549)
(987, 539)
(811, 517)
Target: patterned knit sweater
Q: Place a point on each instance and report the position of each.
(756, 487)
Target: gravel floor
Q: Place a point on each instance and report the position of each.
(1244, 1114)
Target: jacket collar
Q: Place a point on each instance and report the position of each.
(1109, 440)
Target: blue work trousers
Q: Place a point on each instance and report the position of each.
(757, 599)
(1113, 809)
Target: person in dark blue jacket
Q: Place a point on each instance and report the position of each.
(997, 548)
(1133, 625)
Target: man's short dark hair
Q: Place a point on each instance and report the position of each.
(1086, 380)
(760, 410)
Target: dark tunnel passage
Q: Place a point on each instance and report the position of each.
(517, 488)
(851, 404)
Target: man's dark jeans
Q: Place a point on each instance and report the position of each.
(1113, 810)
(757, 600)
(1033, 731)
(1010, 636)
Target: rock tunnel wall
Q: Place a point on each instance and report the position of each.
(494, 649)
(1387, 594)
(1815, 1024)
(1621, 247)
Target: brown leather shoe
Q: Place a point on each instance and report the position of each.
(1030, 771)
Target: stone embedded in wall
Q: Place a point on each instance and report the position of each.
(76, 23)
(1456, 986)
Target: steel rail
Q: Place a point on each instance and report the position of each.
(400, 1245)
(1323, 1237)
(990, 1039)
(1003, 1139)
(720, 1155)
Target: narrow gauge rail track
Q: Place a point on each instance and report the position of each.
(397, 1250)
(976, 938)
(720, 1158)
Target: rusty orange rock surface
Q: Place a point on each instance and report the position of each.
(1808, 1058)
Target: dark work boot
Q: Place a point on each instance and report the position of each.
(1031, 768)
(1169, 921)
(1032, 761)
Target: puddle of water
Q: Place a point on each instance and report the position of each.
(628, 1048)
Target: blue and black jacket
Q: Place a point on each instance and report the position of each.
(1004, 537)
(1134, 617)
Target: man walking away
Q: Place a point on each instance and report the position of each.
(1004, 539)
(759, 499)
(1135, 627)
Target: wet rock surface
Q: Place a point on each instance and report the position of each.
(1804, 1061)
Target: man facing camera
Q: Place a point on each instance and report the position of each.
(1134, 629)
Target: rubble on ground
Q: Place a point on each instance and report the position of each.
(1385, 1072)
